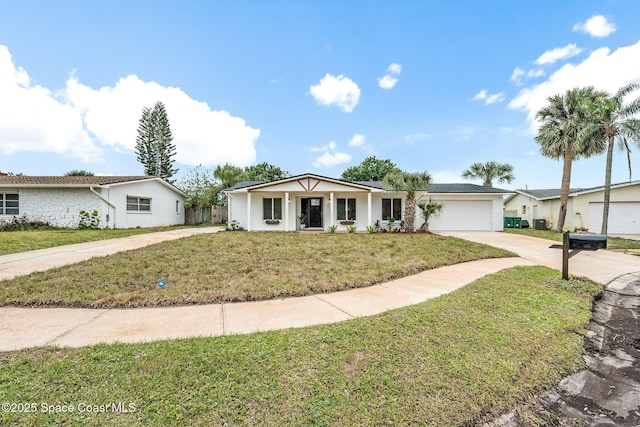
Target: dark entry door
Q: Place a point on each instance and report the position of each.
(312, 208)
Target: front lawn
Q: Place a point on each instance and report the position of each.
(612, 242)
(28, 240)
(444, 362)
(240, 266)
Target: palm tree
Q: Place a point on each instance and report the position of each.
(563, 134)
(410, 182)
(77, 172)
(429, 209)
(503, 172)
(617, 121)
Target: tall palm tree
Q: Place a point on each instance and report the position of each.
(502, 172)
(410, 182)
(616, 121)
(562, 134)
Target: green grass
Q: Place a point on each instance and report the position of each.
(612, 242)
(224, 267)
(29, 240)
(445, 362)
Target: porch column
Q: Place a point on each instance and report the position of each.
(286, 211)
(331, 216)
(248, 211)
(369, 208)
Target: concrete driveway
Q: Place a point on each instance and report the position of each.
(44, 259)
(601, 266)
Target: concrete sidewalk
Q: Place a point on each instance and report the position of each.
(27, 327)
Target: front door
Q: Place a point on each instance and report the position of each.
(312, 209)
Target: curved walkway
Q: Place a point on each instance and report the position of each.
(27, 327)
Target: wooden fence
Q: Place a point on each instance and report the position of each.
(220, 214)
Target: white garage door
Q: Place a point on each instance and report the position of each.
(468, 215)
(624, 217)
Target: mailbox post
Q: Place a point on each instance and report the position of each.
(565, 256)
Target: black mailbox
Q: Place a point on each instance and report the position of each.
(587, 241)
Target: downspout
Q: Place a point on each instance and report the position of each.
(107, 202)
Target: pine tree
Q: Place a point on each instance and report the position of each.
(154, 146)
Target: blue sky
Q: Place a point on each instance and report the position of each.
(306, 85)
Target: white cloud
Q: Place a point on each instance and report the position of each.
(518, 73)
(410, 139)
(531, 153)
(488, 98)
(331, 146)
(358, 140)
(34, 119)
(480, 95)
(331, 159)
(516, 76)
(536, 72)
(496, 97)
(84, 122)
(395, 69)
(596, 26)
(554, 55)
(603, 69)
(389, 80)
(340, 91)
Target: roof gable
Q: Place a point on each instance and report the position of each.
(305, 182)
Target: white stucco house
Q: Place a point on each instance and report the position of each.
(584, 208)
(326, 201)
(121, 201)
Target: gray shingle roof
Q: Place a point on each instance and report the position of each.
(243, 184)
(446, 188)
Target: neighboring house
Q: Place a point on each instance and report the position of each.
(584, 209)
(327, 201)
(121, 201)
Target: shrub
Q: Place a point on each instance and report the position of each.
(89, 220)
(22, 223)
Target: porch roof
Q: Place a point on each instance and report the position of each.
(307, 182)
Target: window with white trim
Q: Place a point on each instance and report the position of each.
(138, 204)
(272, 208)
(392, 208)
(346, 209)
(9, 204)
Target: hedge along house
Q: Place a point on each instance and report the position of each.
(584, 208)
(324, 202)
(121, 201)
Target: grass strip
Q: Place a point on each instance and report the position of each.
(226, 267)
(445, 362)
